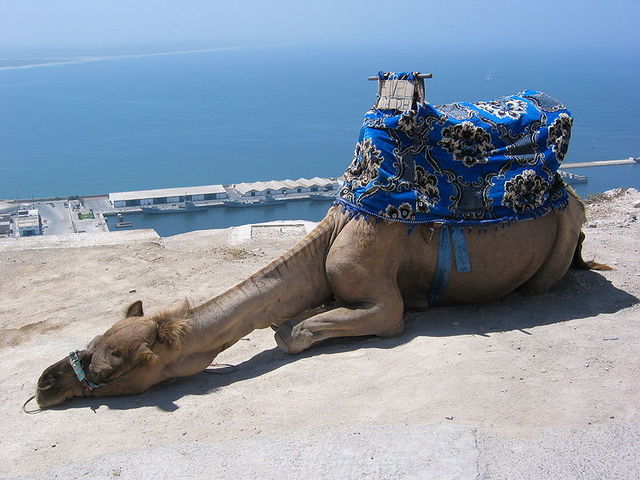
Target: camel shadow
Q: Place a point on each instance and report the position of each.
(581, 294)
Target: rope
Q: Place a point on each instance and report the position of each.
(221, 371)
(24, 406)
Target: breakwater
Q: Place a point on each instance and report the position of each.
(602, 163)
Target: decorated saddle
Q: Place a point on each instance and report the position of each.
(461, 164)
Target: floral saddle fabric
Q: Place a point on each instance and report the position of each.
(461, 164)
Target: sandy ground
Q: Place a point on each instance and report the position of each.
(542, 387)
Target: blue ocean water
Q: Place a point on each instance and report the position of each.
(126, 123)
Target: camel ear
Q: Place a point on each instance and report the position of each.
(145, 354)
(135, 309)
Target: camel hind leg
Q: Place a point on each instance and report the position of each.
(578, 262)
(562, 253)
(362, 272)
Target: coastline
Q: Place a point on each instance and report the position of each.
(102, 216)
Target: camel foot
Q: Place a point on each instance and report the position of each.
(286, 340)
(283, 332)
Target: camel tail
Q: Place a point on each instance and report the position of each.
(578, 262)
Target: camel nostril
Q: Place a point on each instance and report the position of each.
(46, 382)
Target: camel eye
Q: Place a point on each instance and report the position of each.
(116, 354)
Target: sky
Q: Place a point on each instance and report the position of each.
(547, 24)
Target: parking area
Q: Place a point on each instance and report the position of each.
(56, 218)
(60, 217)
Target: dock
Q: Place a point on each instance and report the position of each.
(572, 178)
(602, 163)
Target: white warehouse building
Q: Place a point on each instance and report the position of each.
(286, 187)
(167, 195)
(28, 223)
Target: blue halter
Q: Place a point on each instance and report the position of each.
(74, 360)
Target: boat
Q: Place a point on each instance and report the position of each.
(322, 196)
(182, 207)
(124, 224)
(260, 202)
(572, 178)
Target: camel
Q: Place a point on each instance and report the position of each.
(438, 169)
(326, 286)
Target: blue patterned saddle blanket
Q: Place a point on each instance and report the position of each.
(461, 164)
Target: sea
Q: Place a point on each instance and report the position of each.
(83, 122)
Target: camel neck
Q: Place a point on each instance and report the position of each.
(227, 318)
(279, 292)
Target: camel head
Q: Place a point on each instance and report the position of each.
(127, 359)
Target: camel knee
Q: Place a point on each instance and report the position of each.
(394, 330)
(389, 320)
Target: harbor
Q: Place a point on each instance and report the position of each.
(175, 210)
(218, 206)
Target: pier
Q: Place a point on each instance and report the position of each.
(602, 163)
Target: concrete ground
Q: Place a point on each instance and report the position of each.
(526, 388)
(56, 218)
(59, 219)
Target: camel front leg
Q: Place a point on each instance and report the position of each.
(363, 279)
(383, 319)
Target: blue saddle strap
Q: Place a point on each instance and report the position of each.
(463, 264)
(450, 239)
(441, 277)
